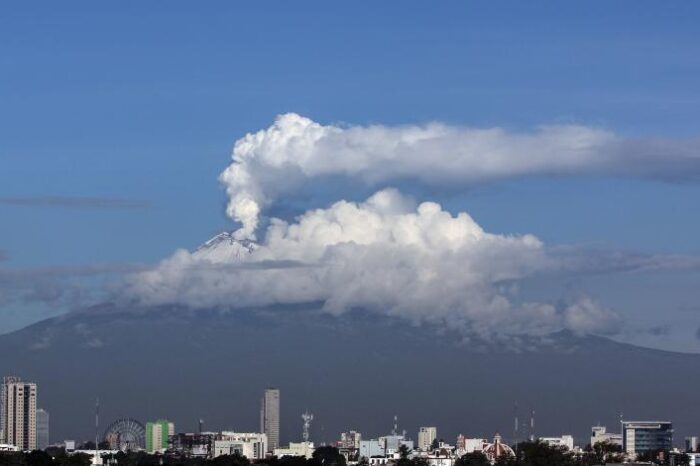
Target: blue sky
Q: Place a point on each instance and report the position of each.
(143, 101)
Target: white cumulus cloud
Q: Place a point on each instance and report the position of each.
(387, 255)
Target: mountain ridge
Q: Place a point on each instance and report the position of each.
(354, 371)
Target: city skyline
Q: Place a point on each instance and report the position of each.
(156, 433)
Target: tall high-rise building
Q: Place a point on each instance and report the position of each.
(426, 436)
(157, 435)
(42, 429)
(270, 417)
(18, 413)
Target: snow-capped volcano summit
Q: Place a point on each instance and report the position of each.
(224, 248)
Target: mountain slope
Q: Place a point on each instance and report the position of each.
(353, 372)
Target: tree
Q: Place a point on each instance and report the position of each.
(327, 456)
(506, 460)
(403, 456)
(11, 459)
(78, 459)
(653, 456)
(542, 454)
(476, 458)
(607, 452)
(38, 458)
(418, 461)
(230, 460)
(435, 445)
(291, 461)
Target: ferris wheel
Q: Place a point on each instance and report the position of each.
(126, 434)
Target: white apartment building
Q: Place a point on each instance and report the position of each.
(563, 441)
(252, 445)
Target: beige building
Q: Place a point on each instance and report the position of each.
(426, 435)
(270, 417)
(18, 413)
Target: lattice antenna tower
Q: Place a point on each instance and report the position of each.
(307, 418)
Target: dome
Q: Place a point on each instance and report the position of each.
(497, 449)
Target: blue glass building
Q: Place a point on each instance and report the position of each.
(646, 436)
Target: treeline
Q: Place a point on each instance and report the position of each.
(527, 454)
(323, 456)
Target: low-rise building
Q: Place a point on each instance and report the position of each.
(370, 448)
(566, 441)
(194, 445)
(305, 449)
(469, 445)
(694, 459)
(600, 434)
(252, 445)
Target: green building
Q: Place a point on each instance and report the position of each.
(157, 434)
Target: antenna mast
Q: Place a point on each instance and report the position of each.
(516, 424)
(307, 418)
(97, 428)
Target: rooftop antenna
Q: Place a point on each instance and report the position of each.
(307, 418)
(622, 425)
(515, 424)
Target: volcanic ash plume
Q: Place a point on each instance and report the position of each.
(295, 150)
